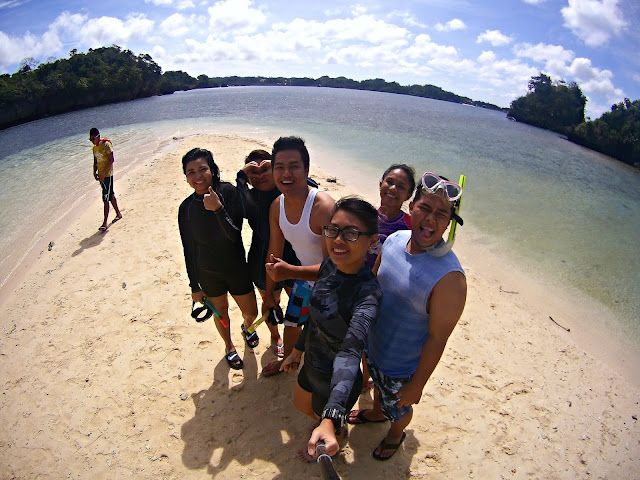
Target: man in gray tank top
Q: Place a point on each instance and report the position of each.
(423, 295)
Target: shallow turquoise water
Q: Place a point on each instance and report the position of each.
(562, 210)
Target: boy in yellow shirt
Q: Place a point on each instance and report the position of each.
(103, 172)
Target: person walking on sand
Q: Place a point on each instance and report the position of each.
(210, 221)
(424, 293)
(103, 173)
(297, 216)
(344, 302)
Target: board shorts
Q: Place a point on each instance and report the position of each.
(298, 306)
(387, 388)
(107, 189)
(216, 284)
(319, 386)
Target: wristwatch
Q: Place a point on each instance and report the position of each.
(336, 416)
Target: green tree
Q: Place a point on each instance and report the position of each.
(558, 107)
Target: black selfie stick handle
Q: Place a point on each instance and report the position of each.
(326, 464)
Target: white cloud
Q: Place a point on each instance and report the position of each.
(109, 30)
(407, 18)
(423, 48)
(593, 21)
(13, 49)
(235, 17)
(12, 3)
(451, 25)
(494, 37)
(534, 2)
(175, 25)
(159, 2)
(184, 4)
(362, 28)
(543, 53)
(487, 57)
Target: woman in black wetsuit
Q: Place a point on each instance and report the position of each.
(345, 301)
(210, 222)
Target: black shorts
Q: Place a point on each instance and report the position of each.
(319, 386)
(216, 284)
(107, 189)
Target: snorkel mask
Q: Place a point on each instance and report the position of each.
(452, 192)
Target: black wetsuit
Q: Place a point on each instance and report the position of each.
(256, 210)
(341, 310)
(212, 242)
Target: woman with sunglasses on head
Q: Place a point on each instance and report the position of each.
(257, 201)
(344, 303)
(210, 221)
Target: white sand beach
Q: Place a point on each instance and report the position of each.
(106, 376)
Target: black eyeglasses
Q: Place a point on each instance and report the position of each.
(348, 234)
(91, 139)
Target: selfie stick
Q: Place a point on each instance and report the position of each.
(326, 464)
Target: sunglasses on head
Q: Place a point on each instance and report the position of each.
(432, 183)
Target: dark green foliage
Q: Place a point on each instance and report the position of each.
(560, 107)
(104, 75)
(109, 74)
(178, 80)
(616, 133)
(376, 84)
(557, 107)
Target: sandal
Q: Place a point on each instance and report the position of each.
(388, 446)
(359, 418)
(252, 339)
(272, 368)
(278, 349)
(233, 360)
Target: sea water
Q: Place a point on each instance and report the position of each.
(558, 209)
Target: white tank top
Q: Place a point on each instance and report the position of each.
(306, 244)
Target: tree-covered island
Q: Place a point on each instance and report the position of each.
(111, 74)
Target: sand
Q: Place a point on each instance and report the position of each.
(105, 374)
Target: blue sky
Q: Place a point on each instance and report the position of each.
(486, 50)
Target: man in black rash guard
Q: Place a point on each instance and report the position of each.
(344, 303)
(210, 222)
(257, 201)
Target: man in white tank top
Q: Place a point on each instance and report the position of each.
(297, 216)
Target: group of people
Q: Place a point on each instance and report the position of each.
(380, 286)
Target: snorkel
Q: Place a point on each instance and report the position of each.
(448, 190)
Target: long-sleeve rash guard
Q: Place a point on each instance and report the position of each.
(341, 310)
(212, 241)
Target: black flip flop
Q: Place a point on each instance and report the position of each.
(233, 360)
(361, 418)
(388, 446)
